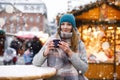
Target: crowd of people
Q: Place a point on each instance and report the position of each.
(27, 48)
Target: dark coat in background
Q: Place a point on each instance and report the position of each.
(36, 45)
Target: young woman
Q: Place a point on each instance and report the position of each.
(69, 56)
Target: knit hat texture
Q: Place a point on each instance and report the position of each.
(68, 18)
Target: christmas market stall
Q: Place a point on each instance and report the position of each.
(99, 27)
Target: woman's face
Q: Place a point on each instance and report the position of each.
(66, 27)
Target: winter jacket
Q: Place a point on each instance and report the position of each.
(78, 61)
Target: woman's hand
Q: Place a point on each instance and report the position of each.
(65, 47)
(49, 46)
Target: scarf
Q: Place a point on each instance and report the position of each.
(58, 59)
(66, 37)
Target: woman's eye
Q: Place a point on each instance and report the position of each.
(69, 24)
(62, 24)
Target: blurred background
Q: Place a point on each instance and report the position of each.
(23, 22)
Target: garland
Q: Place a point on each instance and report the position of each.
(93, 5)
(84, 22)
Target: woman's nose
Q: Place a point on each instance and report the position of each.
(65, 26)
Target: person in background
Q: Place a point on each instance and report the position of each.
(36, 45)
(9, 57)
(69, 56)
(15, 44)
(28, 56)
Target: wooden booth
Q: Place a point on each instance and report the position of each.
(99, 26)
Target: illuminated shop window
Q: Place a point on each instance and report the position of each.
(99, 42)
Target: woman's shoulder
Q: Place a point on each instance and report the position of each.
(81, 43)
(54, 36)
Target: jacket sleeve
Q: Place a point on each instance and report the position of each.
(79, 60)
(39, 59)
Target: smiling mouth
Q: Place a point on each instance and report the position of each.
(65, 30)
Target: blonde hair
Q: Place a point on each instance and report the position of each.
(74, 39)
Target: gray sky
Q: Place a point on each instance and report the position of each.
(61, 6)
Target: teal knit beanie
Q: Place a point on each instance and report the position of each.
(68, 18)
